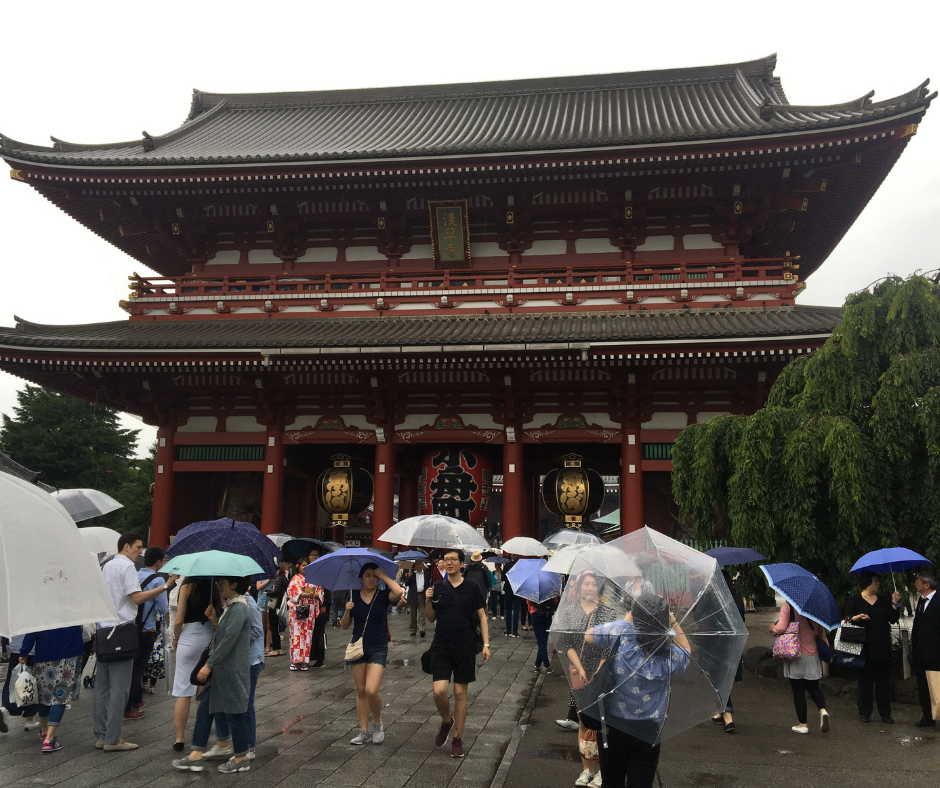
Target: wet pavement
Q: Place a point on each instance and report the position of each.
(305, 722)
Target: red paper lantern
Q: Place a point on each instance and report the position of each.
(457, 483)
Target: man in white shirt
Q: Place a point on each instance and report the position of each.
(113, 679)
(418, 582)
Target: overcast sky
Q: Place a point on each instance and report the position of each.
(105, 73)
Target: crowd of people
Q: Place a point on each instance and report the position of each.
(224, 630)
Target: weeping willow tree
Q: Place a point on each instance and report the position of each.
(844, 457)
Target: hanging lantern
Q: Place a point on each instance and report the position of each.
(572, 491)
(457, 483)
(344, 490)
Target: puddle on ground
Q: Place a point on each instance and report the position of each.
(910, 741)
(400, 663)
(289, 728)
(558, 752)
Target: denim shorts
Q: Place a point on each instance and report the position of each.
(372, 655)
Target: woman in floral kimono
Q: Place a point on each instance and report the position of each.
(303, 602)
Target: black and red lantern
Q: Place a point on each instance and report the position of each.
(572, 491)
(344, 490)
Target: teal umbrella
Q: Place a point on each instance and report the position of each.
(213, 563)
(609, 519)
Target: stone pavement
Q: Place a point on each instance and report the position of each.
(763, 752)
(305, 722)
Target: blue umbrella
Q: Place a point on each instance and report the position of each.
(228, 536)
(411, 555)
(729, 556)
(339, 570)
(529, 583)
(806, 592)
(889, 559)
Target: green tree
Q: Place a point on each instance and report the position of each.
(844, 457)
(74, 443)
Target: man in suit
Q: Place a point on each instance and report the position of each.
(925, 641)
(418, 582)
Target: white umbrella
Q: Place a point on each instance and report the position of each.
(607, 559)
(98, 539)
(42, 556)
(561, 561)
(570, 536)
(83, 503)
(434, 531)
(525, 546)
(280, 539)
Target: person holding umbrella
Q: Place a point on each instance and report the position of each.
(318, 637)
(876, 615)
(367, 612)
(804, 672)
(303, 602)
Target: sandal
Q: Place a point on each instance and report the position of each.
(305, 666)
(294, 667)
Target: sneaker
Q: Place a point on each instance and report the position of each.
(824, 722)
(250, 754)
(51, 746)
(414, 634)
(549, 671)
(456, 747)
(363, 737)
(378, 733)
(729, 728)
(4, 728)
(421, 634)
(121, 746)
(216, 753)
(231, 766)
(568, 725)
(133, 715)
(800, 729)
(99, 745)
(139, 706)
(31, 726)
(585, 779)
(536, 671)
(177, 745)
(186, 765)
(442, 733)
(596, 782)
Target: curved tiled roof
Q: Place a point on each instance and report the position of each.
(706, 103)
(393, 333)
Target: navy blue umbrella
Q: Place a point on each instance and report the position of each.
(500, 559)
(300, 547)
(806, 592)
(729, 556)
(229, 536)
(411, 555)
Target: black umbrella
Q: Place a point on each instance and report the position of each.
(298, 548)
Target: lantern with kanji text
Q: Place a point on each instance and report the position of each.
(344, 490)
(572, 491)
(456, 482)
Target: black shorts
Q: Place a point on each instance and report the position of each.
(457, 659)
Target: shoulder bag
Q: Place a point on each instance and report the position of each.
(204, 657)
(355, 650)
(787, 645)
(117, 644)
(574, 676)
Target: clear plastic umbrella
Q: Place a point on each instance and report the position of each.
(434, 531)
(650, 654)
(563, 558)
(83, 504)
(525, 546)
(570, 536)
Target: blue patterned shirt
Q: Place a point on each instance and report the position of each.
(643, 681)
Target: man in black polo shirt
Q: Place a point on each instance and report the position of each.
(457, 606)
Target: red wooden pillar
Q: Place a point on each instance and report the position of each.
(383, 504)
(407, 494)
(162, 512)
(631, 479)
(272, 495)
(513, 491)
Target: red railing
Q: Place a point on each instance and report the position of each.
(400, 282)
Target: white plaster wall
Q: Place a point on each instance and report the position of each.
(601, 420)
(540, 248)
(418, 252)
(320, 254)
(707, 298)
(243, 424)
(707, 415)
(360, 253)
(262, 256)
(225, 257)
(658, 243)
(700, 241)
(199, 424)
(666, 421)
(594, 246)
(487, 249)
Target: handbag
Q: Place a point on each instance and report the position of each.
(787, 645)
(852, 633)
(355, 650)
(426, 665)
(117, 644)
(577, 683)
(200, 664)
(822, 648)
(301, 612)
(847, 646)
